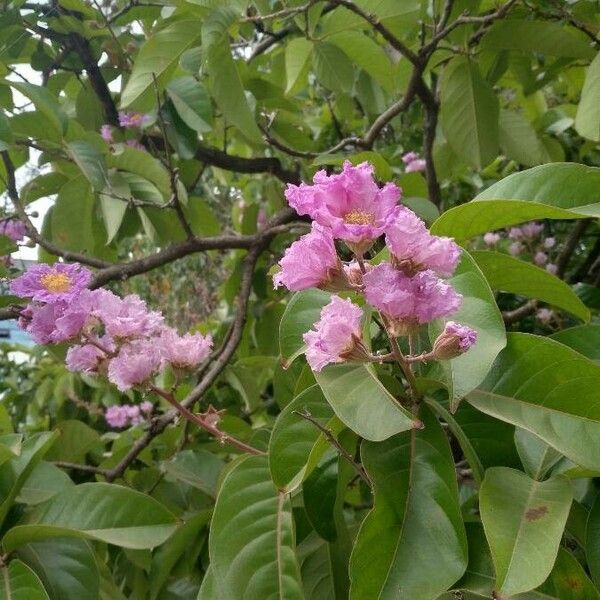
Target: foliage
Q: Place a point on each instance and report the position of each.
(497, 496)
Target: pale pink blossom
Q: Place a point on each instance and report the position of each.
(185, 351)
(130, 120)
(84, 358)
(549, 243)
(515, 248)
(13, 229)
(107, 133)
(552, 268)
(135, 364)
(116, 416)
(540, 258)
(416, 166)
(491, 238)
(532, 229)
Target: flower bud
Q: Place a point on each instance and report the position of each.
(455, 340)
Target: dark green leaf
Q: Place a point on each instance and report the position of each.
(19, 582)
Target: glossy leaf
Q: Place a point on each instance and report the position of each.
(584, 338)
(252, 538)
(508, 274)
(19, 582)
(523, 521)
(416, 506)
(587, 121)
(101, 511)
(549, 390)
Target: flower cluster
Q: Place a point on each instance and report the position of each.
(407, 289)
(117, 337)
(412, 162)
(526, 241)
(127, 120)
(125, 415)
(13, 229)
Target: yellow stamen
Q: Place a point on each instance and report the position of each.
(359, 217)
(56, 283)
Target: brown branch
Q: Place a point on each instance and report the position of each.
(570, 246)
(512, 316)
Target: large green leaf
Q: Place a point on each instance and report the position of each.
(198, 468)
(19, 582)
(363, 403)
(192, 103)
(552, 191)
(469, 113)
(252, 537)
(508, 274)
(46, 480)
(158, 57)
(537, 456)
(399, 554)
(523, 521)
(107, 512)
(548, 389)
(143, 164)
(587, 121)
(519, 140)
(568, 580)
(592, 541)
(332, 67)
(45, 103)
(297, 54)
(91, 162)
(583, 338)
(479, 311)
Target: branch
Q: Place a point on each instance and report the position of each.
(512, 316)
(570, 246)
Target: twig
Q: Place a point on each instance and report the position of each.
(286, 12)
(570, 246)
(512, 316)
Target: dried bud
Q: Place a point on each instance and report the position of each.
(455, 340)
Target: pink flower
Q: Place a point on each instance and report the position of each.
(261, 218)
(13, 229)
(116, 416)
(135, 364)
(350, 203)
(415, 249)
(531, 230)
(455, 340)
(335, 336)
(416, 166)
(552, 268)
(540, 258)
(411, 301)
(310, 261)
(60, 282)
(84, 358)
(491, 238)
(135, 145)
(515, 248)
(39, 320)
(183, 351)
(545, 315)
(106, 133)
(409, 157)
(515, 233)
(129, 317)
(147, 407)
(131, 120)
(549, 243)
(133, 414)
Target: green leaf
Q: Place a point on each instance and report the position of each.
(45, 103)
(75, 441)
(584, 338)
(297, 445)
(198, 468)
(519, 140)
(158, 56)
(592, 541)
(398, 554)
(251, 541)
(568, 580)
(227, 90)
(508, 274)
(91, 162)
(192, 103)
(143, 164)
(523, 521)
(332, 67)
(6, 136)
(469, 113)
(42, 186)
(19, 582)
(297, 54)
(587, 121)
(552, 191)
(101, 511)
(201, 217)
(208, 589)
(45, 481)
(549, 390)
(67, 567)
(363, 403)
(302, 311)
(537, 456)
(479, 311)
(554, 39)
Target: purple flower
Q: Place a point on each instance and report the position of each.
(84, 358)
(116, 416)
(39, 320)
(409, 157)
(60, 282)
(552, 268)
(106, 133)
(410, 301)
(515, 248)
(133, 414)
(147, 407)
(350, 203)
(549, 243)
(336, 336)
(540, 258)
(129, 317)
(416, 166)
(491, 238)
(531, 230)
(183, 351)
(131, 120)
(455, 340)
(13, 229)
(310, 261)
(515, 233)
(135, 364)
(415, 249)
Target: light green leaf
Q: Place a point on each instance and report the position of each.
(587, 121)
(75, 441)
(568, 580)
(91, 162)
(584, 338)
(251, 541)
(362, 402)
(143, 164)
(208, 589)
(469, 113)
(523, 521)
(508, 274)
(45, 103)
(548, 389)
(479, 311)
(192, 103)
(42, 186)
(297, 53)
(519, 140)
(45, 481)
(398, 554)
(19, 582)
(6, 136)
(158, 56)
(537, 456)
(198, 468)
(332, 67)
(592, 541)
(106, 512)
